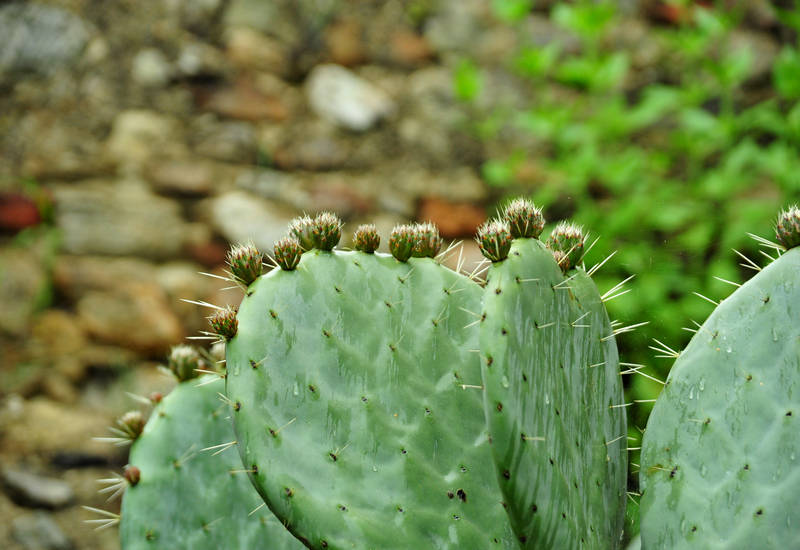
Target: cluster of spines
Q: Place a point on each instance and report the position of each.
(246, 263)
(494, 240)
(520, 219)
(184, 362)
(567, 243)
(787, 228)
(224, 323)
(322, 232)
(419, 240)
(366, 238)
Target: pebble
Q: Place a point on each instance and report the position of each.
(241, 217)
(38, 531)
(144, 224)
(346, 99)
(39, 38)
(37, 491)
(150, 68)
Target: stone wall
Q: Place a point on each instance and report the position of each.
(138, 139)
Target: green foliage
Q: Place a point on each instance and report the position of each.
(672, 171)
(720, 457)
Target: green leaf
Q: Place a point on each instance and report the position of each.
(468, 81)
(786, 73)
(511, 10)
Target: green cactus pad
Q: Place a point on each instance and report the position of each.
(553, 396)
(188, 498)
(721, 454)
(361, 407)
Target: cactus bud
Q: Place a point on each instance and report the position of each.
(184, 361)
(567, 238)
(302, 229)
(224, 323)
(131, 424)
(494, 240)
(287, 253)
(401, 242)
(155, 397)
(245, 262)
(787, 229)
(132, 475)
(524, 219)
(327, 230)
(427, 241)
(366, 238)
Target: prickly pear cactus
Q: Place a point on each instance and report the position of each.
(553, 390)
(357, 398)
(179, 495)
(720, 464)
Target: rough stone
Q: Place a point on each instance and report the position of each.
(243, 101)
(761, 49)
(346, 194)
(344, 40)
(39, 38)
(38, 531)
(40, 427)
(151, 68)
(118, 219)
(338, 95)
(198, 59)
(37, 491)
(409, 49)
(138, 135)
(241, 217)
(135, 316)
(23, 289)
(183, 177)
(225, 141)
(454, 219)
(249, 49)
(459, 182)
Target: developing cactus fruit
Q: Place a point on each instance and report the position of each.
(186, 495)
(359, 406)
(245, 263)
(366, 239)
(553, 395)
(566, 242)
(494, 240)
(720, 465)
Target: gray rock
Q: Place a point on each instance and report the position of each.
(38, 531)
(123, 219)
(137, 135)
(225, 141)
(150, 68)
(346, 99)
(39, 38)
(134, 316)
(242, 217)
(37, 491)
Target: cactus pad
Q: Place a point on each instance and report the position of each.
(184, 497)
(721, 453)
(360, 404)
(553, 397)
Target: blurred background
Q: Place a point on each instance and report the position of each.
(139, 139)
